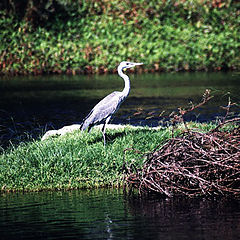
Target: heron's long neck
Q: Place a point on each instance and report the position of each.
(126, 89)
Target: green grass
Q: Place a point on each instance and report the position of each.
(77, 160)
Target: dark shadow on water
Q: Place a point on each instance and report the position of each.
(183, 218)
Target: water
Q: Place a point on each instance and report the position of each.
(108, 214)
(31, 105)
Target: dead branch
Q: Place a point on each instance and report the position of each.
(194, 164)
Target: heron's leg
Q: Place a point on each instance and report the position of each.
(104, 129)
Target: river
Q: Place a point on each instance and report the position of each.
(109, 214)
(31, 105)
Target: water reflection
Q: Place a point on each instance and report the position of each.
(31, 105)
(108, 214)
(187, 219)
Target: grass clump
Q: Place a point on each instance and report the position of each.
(77, 160)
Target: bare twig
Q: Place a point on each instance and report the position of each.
(193, 164)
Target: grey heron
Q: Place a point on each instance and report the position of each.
(103, 111)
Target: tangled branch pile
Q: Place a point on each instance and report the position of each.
(193, 164)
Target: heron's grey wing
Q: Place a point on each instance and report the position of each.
(105, 108)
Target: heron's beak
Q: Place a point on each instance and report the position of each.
(136, 64)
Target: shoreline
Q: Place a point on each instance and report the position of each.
(78, 160)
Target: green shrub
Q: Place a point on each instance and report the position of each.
(94, 36)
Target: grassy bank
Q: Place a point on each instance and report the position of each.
(77, 160)
(94, 36)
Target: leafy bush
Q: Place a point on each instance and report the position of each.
(65, 36)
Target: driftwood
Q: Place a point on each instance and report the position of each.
(62, 131)
(76, 127)
(194, 164)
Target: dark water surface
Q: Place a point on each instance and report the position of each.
(30, 105)
(108, 214)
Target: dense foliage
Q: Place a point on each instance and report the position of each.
(67, 36)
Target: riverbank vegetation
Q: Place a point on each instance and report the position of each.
(65, 36)
(80, 160)
(77, 160)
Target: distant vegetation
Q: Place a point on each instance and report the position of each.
(66, 36)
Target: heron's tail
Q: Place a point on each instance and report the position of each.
(84, 125)
(87, 122)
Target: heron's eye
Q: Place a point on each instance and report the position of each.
(127, 63)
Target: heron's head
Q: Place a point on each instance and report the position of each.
(125, 65)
